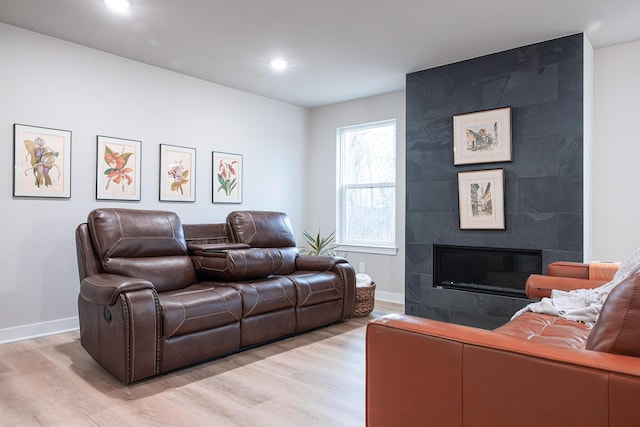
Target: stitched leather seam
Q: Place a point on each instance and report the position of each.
(182, 244)
(110, 251)
(132, 329)
(158, 320)
(226, 304)
(126, 317)
(254, 228)
(623, 323)
(307, 286)
(184, 315)
(254, 305)
(291, 302)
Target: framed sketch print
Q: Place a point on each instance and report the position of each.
(227, 178)
(41, 162)
(481, 195)
(482, 137)
(177, 173)
(118, 168)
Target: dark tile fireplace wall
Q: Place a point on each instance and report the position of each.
(543, 85)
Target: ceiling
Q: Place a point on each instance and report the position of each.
(337, 49)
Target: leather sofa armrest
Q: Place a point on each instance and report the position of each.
(342, 268)
(539, 286)
(577, 270)
(105, 288)
(317, 262)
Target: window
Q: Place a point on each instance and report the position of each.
(367, 185)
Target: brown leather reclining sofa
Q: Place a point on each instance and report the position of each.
(536, 370)
(157, 295)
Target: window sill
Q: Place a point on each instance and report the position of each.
(367, 249)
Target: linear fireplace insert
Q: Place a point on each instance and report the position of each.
(499, 271)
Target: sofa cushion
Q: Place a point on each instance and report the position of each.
(316, 287)
(617, 329)
(198, 307)
(261, 229)
(265, 295)
(545, 328)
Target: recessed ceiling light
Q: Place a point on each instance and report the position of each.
(119, 5)
(279, 64)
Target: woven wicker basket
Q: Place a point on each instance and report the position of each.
(365, 299)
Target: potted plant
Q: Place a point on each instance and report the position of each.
(320, 245)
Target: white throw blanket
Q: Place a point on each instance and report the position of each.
(583, 305)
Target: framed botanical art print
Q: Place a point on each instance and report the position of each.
(482, 137)
(118, 168)
(177, 173)
(481, 199)
(41, 162)
(227, 178)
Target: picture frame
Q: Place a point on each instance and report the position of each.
(118, 174)
(41, 162)
(482, 137)
(177, 173)
(227, 173)
(481, 199)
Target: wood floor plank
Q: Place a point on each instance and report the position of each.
(313, 379)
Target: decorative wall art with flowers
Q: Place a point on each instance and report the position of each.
(227, 178)
(42, 162)
(177, 173)
(118, 168)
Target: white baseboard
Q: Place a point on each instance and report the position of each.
(35, 330)
(390, 296)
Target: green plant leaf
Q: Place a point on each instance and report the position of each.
(319, 245)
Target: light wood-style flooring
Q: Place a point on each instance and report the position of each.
(314, 379)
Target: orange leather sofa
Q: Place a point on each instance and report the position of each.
(536, 370)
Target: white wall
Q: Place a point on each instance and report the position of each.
(386, 270)
(616, 171)
(51, 83)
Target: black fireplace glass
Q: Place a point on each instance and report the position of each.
(499, 271)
